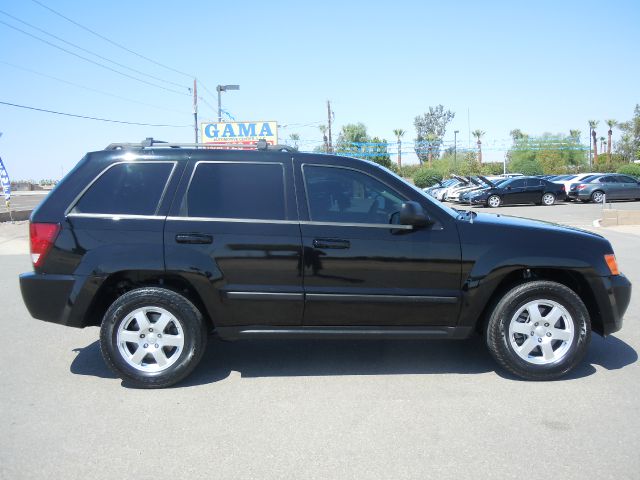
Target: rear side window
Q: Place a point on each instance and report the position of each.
(126, 189)
(237, 190)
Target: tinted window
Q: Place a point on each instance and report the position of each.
(588, 179)
(515, 183)
(349, 196)
(126, 189)
(625, 179)
(534, 182)
(237, 190)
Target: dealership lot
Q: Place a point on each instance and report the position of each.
(326, 409)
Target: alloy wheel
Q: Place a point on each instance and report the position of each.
(541, 332)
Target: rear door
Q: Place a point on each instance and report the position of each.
(630, 187)
(233, 231)
(534, 190)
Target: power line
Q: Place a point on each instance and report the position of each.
(87, 117)
(90, 52)
(92, 89)
(111, 41)
(93, 61)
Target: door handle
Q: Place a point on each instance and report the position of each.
(331, 243)
(194, 238)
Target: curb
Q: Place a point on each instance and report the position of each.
(17, 216)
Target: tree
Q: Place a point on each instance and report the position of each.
(629, 144)
(593, 124)
(611, 123)
(517, 134)
(355, 142)
(323, 130)
(433, 122)
(294, 137)
(478, 134)
(575, 135)
(399, 133)
(549, 154)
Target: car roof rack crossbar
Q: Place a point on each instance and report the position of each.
(150, 142)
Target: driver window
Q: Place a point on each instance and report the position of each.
(336, 194)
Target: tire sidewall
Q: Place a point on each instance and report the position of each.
(507, 308)
(185, 314)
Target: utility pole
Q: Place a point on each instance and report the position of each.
(329, 124)
(195, 109)
(590, 163)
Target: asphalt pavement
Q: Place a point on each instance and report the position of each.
(317, 409)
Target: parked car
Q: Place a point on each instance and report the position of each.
(520, 190)
(570, 179)
(487, 183)
(158, 245)
(439, 190)
(611, 186)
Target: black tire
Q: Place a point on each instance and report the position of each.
(595, 194)
(184, 316)
(494, 201)
(500, 345)
(551, 198)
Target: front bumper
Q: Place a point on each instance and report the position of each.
(62, 299)
(612, 295)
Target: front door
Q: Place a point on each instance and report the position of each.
(359, 269)
(515, 191)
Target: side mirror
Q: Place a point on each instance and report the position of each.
(412, 213)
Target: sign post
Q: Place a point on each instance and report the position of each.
(6, 186)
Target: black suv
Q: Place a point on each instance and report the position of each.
(161, 244)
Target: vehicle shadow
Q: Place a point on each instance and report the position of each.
(285, 358)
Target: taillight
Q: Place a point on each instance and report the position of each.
(581, 187)
(563, 189)
(42, 236)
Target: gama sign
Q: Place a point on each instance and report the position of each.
(239, 133)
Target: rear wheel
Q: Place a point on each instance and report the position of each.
(597, 196)
(494, 201)
(539, 330)
(548, 199)
(152, 337)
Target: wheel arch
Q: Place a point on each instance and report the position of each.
(574, 280)
(121, 282)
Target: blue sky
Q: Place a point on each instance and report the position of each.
(538, 66)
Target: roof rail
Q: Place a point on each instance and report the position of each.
(150, 142)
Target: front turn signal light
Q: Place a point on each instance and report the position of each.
(612, 264)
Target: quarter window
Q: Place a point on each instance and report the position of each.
(126, 189)
(348, 196)
(237, 190)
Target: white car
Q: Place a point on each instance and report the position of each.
(572, 179)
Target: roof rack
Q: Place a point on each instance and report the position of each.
(149, 142)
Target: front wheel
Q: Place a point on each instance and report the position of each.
(152, 337)
(548, 199)
(539, 330)
(494, 201)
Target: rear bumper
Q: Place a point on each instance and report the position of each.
(62, 299)
(575, 195)
(612, 295)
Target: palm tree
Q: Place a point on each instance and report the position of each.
(611, 123)
(602, 139)
(399, 133)
(593, 124)
(478, 134)
(575, 135)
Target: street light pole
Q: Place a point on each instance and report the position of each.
(220, 89)
(590, 165)
(455, 148)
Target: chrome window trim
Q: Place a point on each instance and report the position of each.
(306, 190)
(73, 204)
(388, 226)
(116, 216)
(195, 167)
